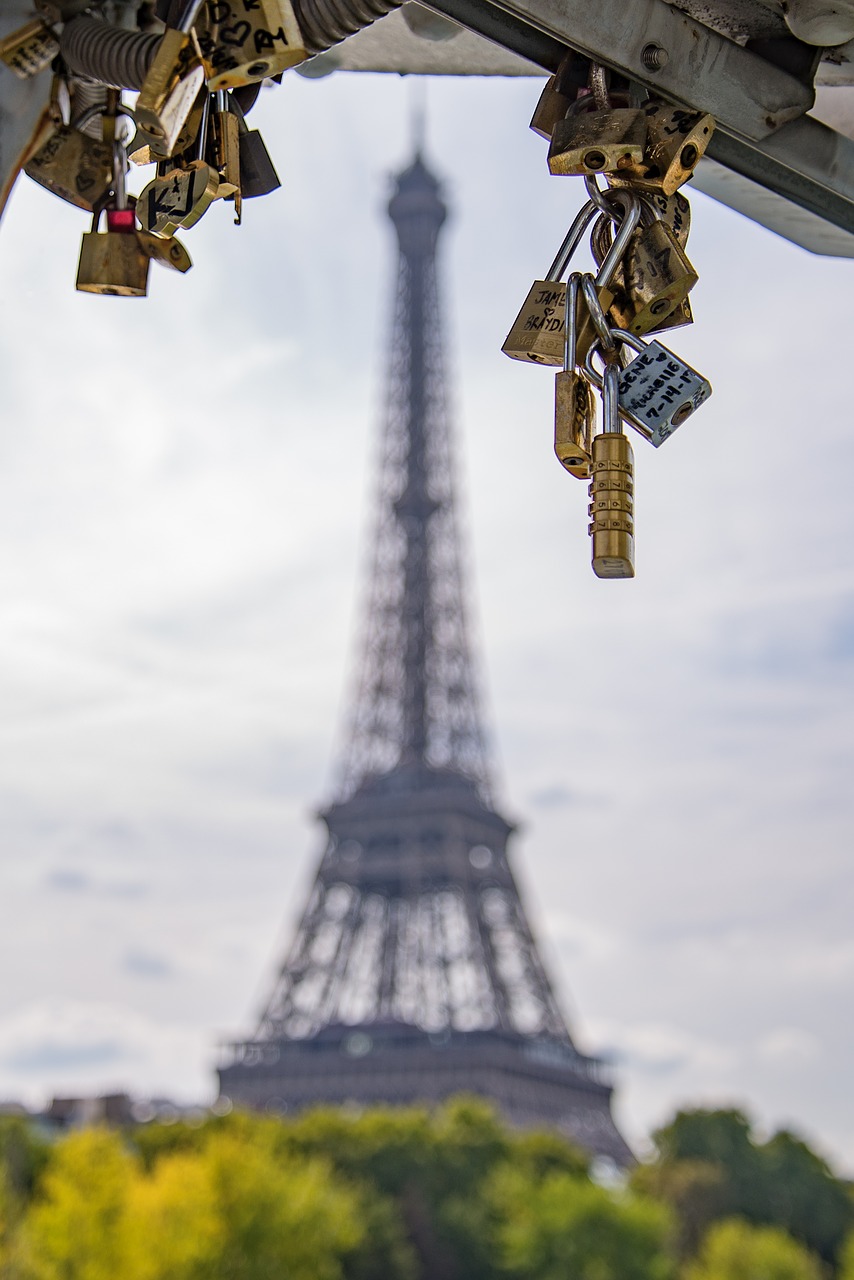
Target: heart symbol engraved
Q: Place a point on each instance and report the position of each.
(84, 182)
(236, 35)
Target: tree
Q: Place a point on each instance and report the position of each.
(735, 1250)
(846, 1259)
(75, 1230)
(803, 1196)
(696, 1192)
(564, 1226)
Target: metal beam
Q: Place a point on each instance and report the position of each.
(805, 162)
(703, 69)
(797, 179)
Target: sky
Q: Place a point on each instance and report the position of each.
(185, 510)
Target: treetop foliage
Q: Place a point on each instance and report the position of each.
(413, 1194)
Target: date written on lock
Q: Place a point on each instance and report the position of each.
(658, 391)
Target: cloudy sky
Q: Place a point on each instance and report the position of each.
(184, 500)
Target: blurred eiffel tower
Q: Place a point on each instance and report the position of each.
(414, 973)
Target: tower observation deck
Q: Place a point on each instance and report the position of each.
(413, 973)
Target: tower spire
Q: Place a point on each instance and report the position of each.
(417, 703)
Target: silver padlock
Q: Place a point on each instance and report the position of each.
(657, 391)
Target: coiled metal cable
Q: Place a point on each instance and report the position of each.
(326, 22)
(121, 59)
(86, 95)
(105, 53)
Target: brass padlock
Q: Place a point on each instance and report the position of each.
(657, 276)
(30, 49)
(598, 141)
(538, 332)
(575, 405)
(112, 261)
(678, 318)
(73, 166)
(139, 149)
(168, 251)
(243, 42)
(178, 198)
(611, 509)
(675, 141)
(673, 210)
(227, 152)
(168, 94)
(551, 107)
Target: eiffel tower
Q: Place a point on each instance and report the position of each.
(414, 974)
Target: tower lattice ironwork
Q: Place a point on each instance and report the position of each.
(414, 973)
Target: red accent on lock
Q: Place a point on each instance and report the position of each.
(121, 220)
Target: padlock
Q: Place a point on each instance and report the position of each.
(598, 141)
(538, 332)
(678, 318)
(676, 140)
(139, 149)
(226, 133)
(656, 276)
(168, 251)
(575, 406)
(258, 176)
(551, 107)
(168, 94)
(178, 198)
(243, 42)
(611, 509)
(657, 391)
(30, 49)
(73, 166)
(112, 261)
(673, 210)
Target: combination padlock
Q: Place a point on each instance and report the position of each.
(611, 509)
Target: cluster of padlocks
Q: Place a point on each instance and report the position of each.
(593, 326)
(197, 79)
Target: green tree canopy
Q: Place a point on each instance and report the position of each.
(564, 1226)
(736, 1250)
(710, 1166)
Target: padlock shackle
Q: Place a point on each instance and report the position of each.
(570, 322)
(630, 340)
(204, 125)
(99, 109)
(188, 17)
(571, 241)
(611, 423)
(597, 315)
(631, 218)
